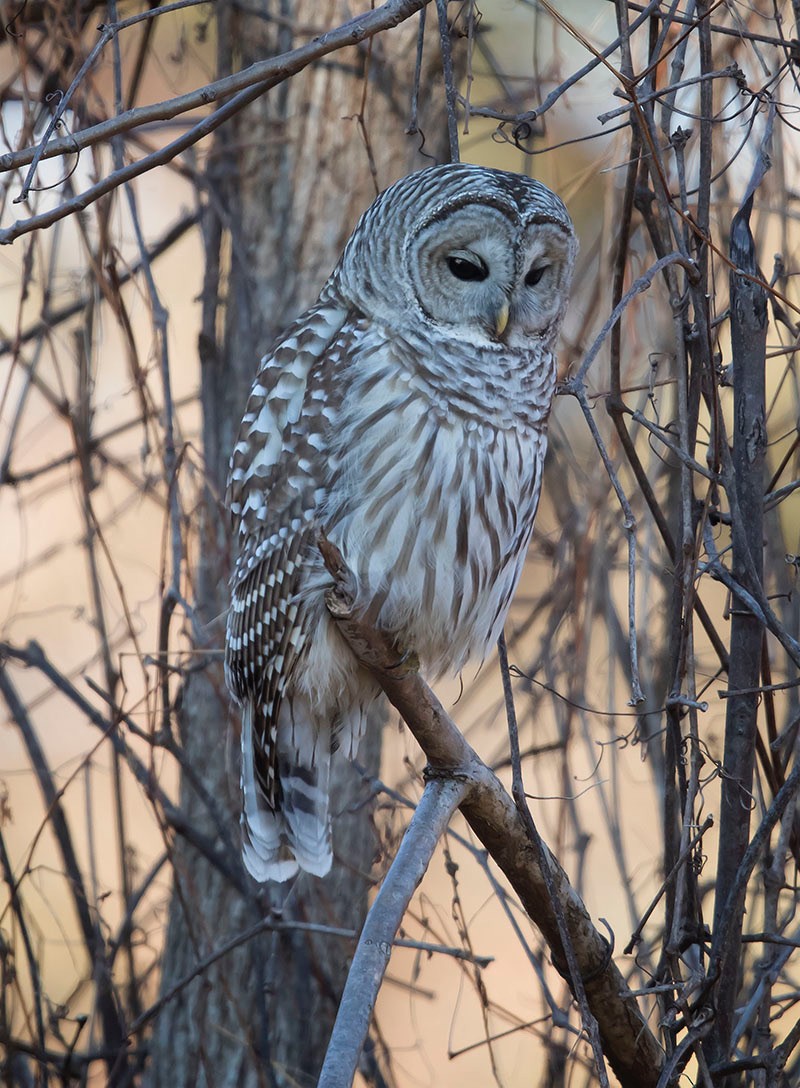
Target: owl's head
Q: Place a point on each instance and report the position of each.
(482, 254)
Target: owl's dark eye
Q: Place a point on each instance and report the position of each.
(468, 268)
(535, 274)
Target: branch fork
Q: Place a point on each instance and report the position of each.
(458, 778)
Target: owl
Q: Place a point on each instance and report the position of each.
(404, 415)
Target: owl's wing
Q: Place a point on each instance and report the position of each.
(277, 469)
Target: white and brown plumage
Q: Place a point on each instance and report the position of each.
(405, 415)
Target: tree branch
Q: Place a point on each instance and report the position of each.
(630, 1046)
(439, 801)
(90, 930)
(248, 85)
(748, 345)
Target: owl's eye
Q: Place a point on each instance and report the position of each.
(467, 267)
(535, 274)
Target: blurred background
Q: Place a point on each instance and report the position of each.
(130, 328)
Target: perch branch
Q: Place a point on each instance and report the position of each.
(628, 1042)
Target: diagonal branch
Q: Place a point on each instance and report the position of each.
(439, 801)
(263, 74)
(628, 1043)
(33, 656)
(248, 85)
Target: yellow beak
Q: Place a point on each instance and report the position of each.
(501, 319)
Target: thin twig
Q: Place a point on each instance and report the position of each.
(683, 857)
(518, 791)
(113, 1033)
(258, 79)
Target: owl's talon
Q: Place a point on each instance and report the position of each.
(408, 658)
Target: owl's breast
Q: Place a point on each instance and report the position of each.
(433, 510)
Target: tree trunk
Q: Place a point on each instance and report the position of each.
(286, 183)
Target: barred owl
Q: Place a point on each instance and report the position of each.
(405, 415)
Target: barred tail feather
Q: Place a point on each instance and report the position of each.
(295, 835)
(264, 849)
(305, 810)
(304, 764)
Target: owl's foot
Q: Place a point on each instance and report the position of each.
(407, 663)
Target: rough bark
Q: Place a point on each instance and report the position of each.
(286, 183)
(748, 351)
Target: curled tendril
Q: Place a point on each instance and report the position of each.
(699, 860)
(9, 28)
(54, 98)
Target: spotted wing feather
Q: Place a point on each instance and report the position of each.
(276, 474)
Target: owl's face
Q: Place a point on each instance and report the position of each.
(481, 256)
(482, 269)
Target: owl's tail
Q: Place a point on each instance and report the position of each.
(296, 833)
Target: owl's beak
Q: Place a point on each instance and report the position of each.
(501, 320)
